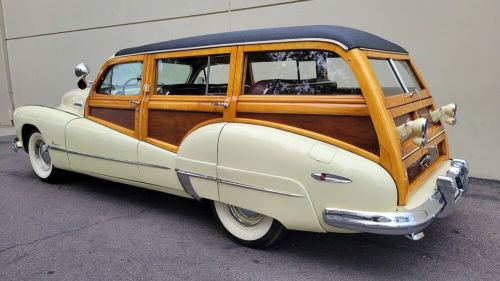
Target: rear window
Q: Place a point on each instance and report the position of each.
(298, 72)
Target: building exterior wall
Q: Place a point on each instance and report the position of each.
(6, 105)
(454, 43)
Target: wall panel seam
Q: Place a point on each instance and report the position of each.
(227, 11)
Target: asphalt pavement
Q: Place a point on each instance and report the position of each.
(91, 229)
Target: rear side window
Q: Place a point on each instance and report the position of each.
(122, 79)
(200, 75)
(386, 77)
(407, 75)
(395, 77)
(298, 72)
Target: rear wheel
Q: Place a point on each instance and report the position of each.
(40, 159)
(246, 227)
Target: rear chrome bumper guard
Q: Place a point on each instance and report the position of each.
(440, 204)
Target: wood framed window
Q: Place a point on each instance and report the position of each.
(115, 97)
(190, 89)
(309, 88)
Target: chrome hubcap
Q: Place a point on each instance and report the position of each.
(42, 155)
(245, 217)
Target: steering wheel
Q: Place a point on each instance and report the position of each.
(127, 82)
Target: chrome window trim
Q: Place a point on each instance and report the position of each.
(398, 75)
(241, 44)
(383, 51)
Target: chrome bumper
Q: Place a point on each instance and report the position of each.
(441, 204)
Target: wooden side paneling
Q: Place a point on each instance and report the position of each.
(355, 130)
(415, 169)
(121, 117)
(171, 126)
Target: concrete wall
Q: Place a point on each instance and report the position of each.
(454, 43)
(6, 100)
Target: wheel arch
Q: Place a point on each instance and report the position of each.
(26, 131)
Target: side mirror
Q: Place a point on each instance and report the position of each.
(82, 71)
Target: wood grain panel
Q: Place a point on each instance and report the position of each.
(415, 169)
(355, 130)
(171, 126)
(121, 117)
(408, 146)
(400, 110)
(304, 108)
(347, 99)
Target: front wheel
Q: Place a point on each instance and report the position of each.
(40, 159)
(247, 227)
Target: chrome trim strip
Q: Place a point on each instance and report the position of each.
(416, 149)
(324, 177)
(258, 188)
(107, 177)
(240, 44)
(383, 51)
(189, 186)
(398, 75)
(195, 175)
(153, 165)
(57, 148)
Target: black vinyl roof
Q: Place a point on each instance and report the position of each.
(348, 38)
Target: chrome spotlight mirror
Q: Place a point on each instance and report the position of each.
(81, 70)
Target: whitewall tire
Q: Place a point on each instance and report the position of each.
(247, 227)
(40, 159)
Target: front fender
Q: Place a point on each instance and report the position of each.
(51, 123)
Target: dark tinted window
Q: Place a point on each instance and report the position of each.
(303, 72)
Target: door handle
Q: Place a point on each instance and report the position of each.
(136, 102)
(223, 104)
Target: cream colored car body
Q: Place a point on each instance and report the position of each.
(262, 169)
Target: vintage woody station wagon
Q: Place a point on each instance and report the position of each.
(312, 128)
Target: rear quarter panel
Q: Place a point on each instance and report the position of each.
(282, 161)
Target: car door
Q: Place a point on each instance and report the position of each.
(191, 90)
(105, 141)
